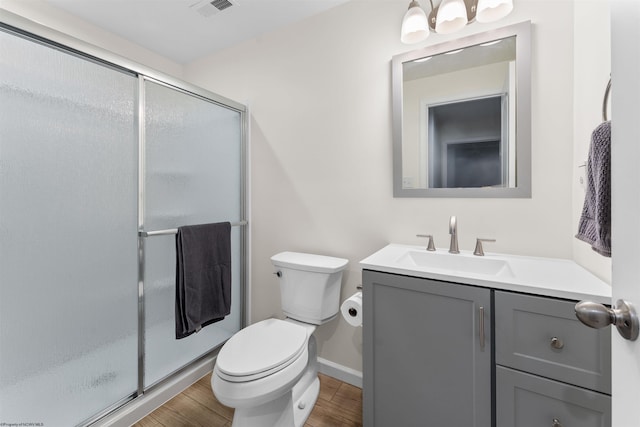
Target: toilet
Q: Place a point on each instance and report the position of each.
(268, 371)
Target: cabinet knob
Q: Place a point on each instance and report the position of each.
(557, 343)
(556, 423)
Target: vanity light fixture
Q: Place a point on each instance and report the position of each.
(415, 27)
(449, 16)
(492, 10)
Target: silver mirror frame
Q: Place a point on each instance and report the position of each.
(522, 31)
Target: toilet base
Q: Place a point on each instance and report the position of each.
(304, 405)
(291, 409)
(281, 412)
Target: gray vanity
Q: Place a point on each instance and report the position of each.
(461, 340)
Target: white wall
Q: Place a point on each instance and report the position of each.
(60, 20)
(321, 173)
(592, 68)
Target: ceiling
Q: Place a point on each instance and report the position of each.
(185, 30)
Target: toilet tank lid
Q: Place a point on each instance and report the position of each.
(309, 262)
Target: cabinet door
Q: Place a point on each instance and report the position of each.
(424, 359)
(525, 400)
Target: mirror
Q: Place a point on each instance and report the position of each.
(462, 117)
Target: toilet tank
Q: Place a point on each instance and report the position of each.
(309, 285)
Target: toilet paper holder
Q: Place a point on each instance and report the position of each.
(351, 308)
(352, 311)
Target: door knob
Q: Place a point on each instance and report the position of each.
(597, 316)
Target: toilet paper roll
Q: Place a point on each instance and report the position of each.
(351, 309)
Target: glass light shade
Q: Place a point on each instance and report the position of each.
(492, 10)
(415, 27)
(452, 16)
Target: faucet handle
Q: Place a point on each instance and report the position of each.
(453, 225)
(478, 250)
(430, 246)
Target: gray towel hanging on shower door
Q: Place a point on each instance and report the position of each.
(203, 276)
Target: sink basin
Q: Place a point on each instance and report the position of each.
(455, 263)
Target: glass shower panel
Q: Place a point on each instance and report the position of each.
(68, 235)
(192, 176)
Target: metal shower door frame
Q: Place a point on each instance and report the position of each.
(31, 30)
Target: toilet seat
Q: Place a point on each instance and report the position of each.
(260, 350)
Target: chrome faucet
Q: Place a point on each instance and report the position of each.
(453, 230)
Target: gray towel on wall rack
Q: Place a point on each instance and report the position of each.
(203, 276)
(594, 226)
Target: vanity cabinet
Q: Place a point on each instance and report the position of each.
(427, 352)
(445, 354)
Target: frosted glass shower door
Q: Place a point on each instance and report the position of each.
(68, 235)
(192, 176)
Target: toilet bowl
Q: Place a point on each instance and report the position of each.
(257, 376)
(268, 371)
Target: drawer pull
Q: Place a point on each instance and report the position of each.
(557, 343)
(481, 327)
(556, 423)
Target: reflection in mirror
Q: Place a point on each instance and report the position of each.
(461, 117)
(473, 155)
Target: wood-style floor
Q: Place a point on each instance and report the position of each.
(339, 404)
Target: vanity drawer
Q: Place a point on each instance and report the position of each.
(543, 336)
(525, 400)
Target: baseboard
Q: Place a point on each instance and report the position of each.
(341, 372)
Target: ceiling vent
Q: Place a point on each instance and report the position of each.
(209, 8)
(221, 4)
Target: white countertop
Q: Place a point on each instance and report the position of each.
(552, 277)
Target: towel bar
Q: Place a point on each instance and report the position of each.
(605, 101)
(170, 231)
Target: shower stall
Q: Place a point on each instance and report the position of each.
(100, 158)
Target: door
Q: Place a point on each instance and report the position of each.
(625, 104)
(68, 235)
(192, 175)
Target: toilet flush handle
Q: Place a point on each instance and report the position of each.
(278, 273)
